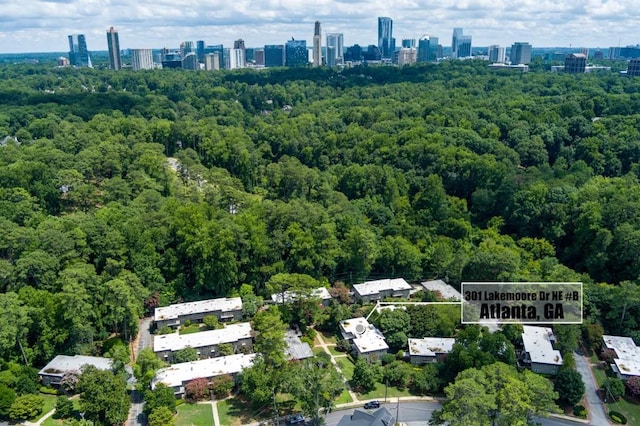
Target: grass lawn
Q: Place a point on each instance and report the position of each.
(49, 404)
(193, 328)
(593, 359)
(50, 421)
(629, 409)
(378, 392)
(194, 415)
(346, 366)
(328, 337)
(344, 398)
(236, 412)
(599, 375)
(317, 351)
(334, 351)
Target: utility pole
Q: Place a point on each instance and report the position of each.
(398, 411)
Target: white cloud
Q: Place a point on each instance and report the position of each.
(32, 25)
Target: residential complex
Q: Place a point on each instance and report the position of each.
(371, 291)
(78, 52)
(179, 375)
(52, 373)
(226, 308)
(366, 340)
(429, 349)
(538, 353)
(627, 361)
(206, 343)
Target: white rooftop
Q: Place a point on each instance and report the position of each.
(375, 287)
(354, 327)
(291, 296)
(223, 304)
(445, 290)
(64, 363)
(184, 372)
(365, 336)
(537, 342)
(628, 361)
(175, 341)
(431, 346)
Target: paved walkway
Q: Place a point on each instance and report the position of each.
(214, 410)
(325, 346)
(595, 406)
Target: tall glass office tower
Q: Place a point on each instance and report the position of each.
(78, 53)
(386, 42)
(317, 45)
(114, 49)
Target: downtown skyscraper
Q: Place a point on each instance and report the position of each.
(114, 49)
(335, 49)
(78, 52)
(386, 42)
(317, 45)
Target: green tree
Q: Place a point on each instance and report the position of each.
(26, 407)
(64, 408)
(613, 388)
(14, 320)
(160, 396)
(315, 383)
(468, 403)
(569, 386)
(211, 321)
(161, 416)
(187, 354)
(365, 376)
(103, 396)
(7, 396)
(145, 367)
(269, 336)
(222, 385)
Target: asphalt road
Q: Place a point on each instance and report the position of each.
(419, 413)
(145, 340)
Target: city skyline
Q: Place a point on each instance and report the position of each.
(38, 26)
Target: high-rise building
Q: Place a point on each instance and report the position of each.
(114, 49)
(274, 55)
(296, 54)
(258, 56)
(227, 58)
(427, 49)
(386, 42)
(575, 63)
(496, 54)
(317, 45)
(409, 43)
(239, 44)
(372, 53)
(407, 56)
(353, 53)
(457, 33)
(216, 48)
(186, 47)
(141, 59)
(200, 45)
(190, 61)
(520, 53)
(236, 59)
(335, 49)
(212, 61)
(78, 52)
(633, 69)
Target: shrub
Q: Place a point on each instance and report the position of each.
(165, 330)
(618, 417)
(387, 359)
(187, 323)
(633, 384)
(580, 411)
(49, 391)
(26, 407)
(613, 388)
(197, 389)
(222, 385)
(343, 345)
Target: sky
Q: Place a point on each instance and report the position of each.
(43, 26)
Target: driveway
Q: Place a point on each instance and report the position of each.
(144, 340)
(595, 406)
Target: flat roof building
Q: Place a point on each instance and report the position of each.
(538, 353)
(178, 375)
(292, 296)
(52, 373)
(225, 308)
(627, 361)
(429, 349)
(296, 348)
(205, 342)
(375, 290)
(366, 340)
(446, 291)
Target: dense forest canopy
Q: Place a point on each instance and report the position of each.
(447, 170)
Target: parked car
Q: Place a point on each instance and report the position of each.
(296, 419)
(372, 404)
